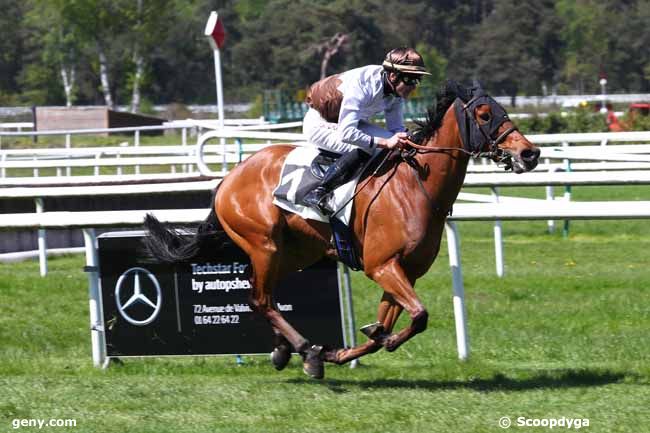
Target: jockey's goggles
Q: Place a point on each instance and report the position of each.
(410, 80)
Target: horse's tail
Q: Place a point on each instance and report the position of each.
(167, 244)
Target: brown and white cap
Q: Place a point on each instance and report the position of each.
(406, 61)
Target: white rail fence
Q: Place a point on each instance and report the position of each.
(612, 150)
(68, 157)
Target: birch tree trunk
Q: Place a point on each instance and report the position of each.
(137, 79)
(68, 77)
(103, 76)
(139, 66)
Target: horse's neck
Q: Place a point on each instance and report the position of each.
(447, 168)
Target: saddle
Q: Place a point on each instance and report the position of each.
(301, 175)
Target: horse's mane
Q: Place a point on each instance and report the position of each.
(444, 98)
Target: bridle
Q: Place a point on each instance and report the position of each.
(479, 140)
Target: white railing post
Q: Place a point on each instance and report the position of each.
(498, 238)
(137, 144)
(453, 244)
(352, 328)
(68, 145)
(550, 196)
(42, 241)
(567, 192)
(98, 155)
(185, 167)
(97, 333)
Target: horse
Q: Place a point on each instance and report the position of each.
(397, 220)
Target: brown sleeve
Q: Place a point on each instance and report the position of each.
(325, 97)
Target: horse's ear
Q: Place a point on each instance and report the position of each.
(453, 87)
(477, 88)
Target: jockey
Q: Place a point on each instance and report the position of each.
(341, 106)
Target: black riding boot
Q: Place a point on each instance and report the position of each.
(337, 174)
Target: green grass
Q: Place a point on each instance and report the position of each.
(563, 334)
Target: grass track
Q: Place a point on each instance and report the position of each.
(563, 334)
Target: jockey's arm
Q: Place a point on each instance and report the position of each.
(350, 118)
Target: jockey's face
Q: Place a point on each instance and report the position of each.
(403, 84)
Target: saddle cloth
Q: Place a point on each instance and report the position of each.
(297, 180)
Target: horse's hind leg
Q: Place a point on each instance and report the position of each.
(265, 264)
(282, 349)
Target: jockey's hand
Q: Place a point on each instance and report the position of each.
(398, 141)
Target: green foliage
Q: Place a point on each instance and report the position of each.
(257, 108)
(512, 47)
(436, 65)
(580, 120)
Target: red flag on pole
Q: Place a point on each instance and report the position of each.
(215, 31)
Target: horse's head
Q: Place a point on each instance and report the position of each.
(486, 130)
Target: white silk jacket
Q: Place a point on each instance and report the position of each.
(357, 95)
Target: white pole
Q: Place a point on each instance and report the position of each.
(136, 143)
(453, 245)
(498, 238)
(219, 84)
(350, 312)
(550, 196)
(42, 241)
(97, 336)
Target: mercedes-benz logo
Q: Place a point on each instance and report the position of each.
(138, 297)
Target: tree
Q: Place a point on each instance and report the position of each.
(507, 58)
(585, 41)
(58, 47)
(101, 23)
(145, 19)
(11, 46)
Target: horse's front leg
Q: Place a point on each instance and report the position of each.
(387, 315)
(394, 281)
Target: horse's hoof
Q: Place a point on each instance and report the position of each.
(392, 343)
(312, 364)
(280, 357)
(373, 330)
(332, 355)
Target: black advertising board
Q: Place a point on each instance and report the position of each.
(201, 307)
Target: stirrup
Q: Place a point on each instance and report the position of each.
(319, 198)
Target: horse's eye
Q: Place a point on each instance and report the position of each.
(485, 116)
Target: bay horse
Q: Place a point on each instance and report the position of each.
(397, 220)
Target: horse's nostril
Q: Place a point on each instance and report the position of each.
(529, 154)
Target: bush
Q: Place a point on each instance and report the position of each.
(581, 120)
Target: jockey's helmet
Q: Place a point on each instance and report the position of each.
(404, 60)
